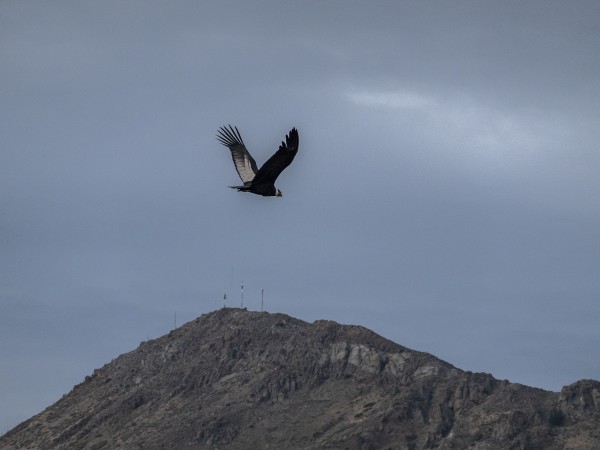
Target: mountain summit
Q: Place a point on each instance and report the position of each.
(235, 379)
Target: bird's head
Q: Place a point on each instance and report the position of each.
(279, 193)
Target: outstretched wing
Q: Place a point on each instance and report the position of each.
(244, 162)
(282, 158)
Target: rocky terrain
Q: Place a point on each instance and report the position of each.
(235, 379)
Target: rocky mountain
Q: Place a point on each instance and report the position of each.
(235, 379)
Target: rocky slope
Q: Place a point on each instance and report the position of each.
(234, 379)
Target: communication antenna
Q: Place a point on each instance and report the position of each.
(242, 294)
(175, 320)
(262, 298)
(225, 299)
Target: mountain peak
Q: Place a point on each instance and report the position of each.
(239, 379)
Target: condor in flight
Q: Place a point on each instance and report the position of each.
(258, 181)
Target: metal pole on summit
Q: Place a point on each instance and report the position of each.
(242, 305)
(262, 298)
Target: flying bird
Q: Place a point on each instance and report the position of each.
(258, 181)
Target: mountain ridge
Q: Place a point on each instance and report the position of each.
(234, 379)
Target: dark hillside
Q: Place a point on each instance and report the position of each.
(235, 379)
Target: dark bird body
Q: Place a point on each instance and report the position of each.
(258, 181)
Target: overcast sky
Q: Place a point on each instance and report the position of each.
(445, 194)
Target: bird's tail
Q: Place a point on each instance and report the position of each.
(241, 188)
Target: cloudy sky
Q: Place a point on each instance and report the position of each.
(445, 195)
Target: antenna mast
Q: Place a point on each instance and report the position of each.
(262, 298)
(242, 305)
